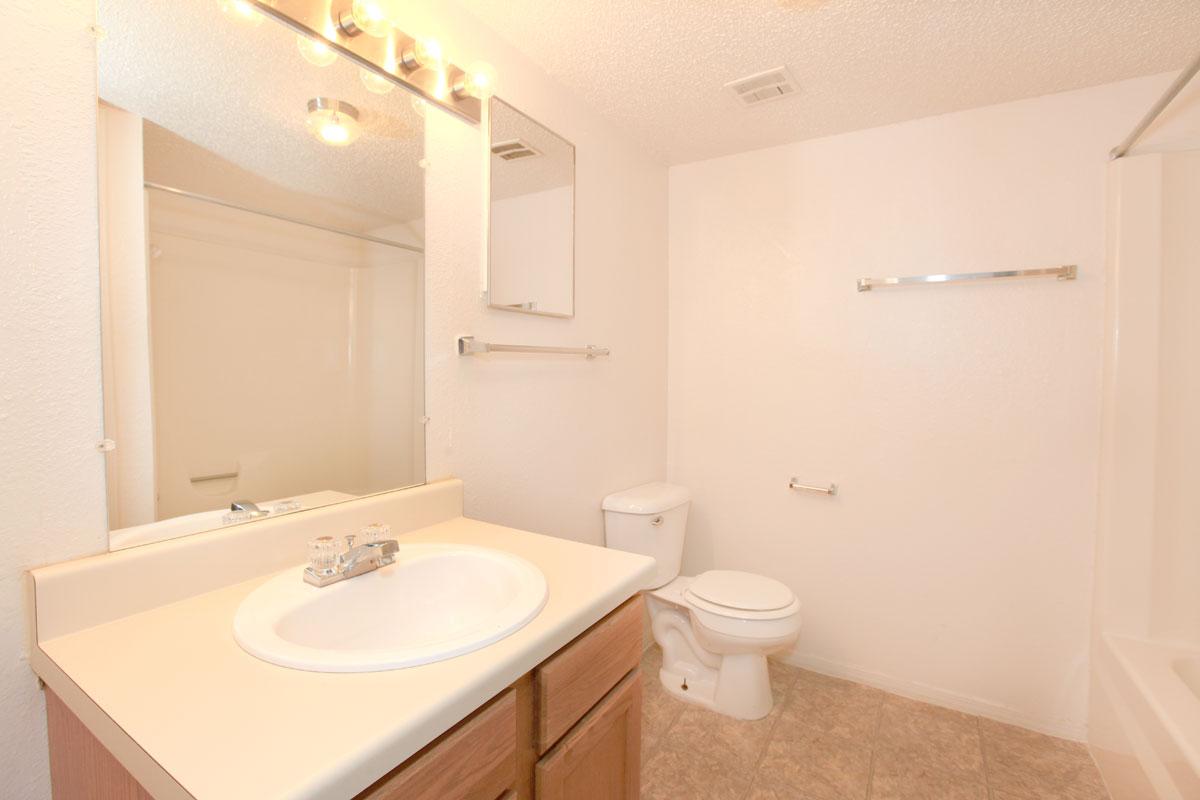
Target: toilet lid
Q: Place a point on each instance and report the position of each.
(741, 590)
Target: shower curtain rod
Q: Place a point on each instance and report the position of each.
(226, 204)
(1175, 88)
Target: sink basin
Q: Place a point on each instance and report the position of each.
(435, 602)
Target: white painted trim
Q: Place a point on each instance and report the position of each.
(1052, 726)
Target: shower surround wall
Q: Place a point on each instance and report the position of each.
(961, 422)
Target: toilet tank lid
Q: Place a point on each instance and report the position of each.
(649, 498)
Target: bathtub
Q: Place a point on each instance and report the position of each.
(1146, 718)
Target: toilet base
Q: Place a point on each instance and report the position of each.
(739, 688)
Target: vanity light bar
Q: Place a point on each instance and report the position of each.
(439, 86)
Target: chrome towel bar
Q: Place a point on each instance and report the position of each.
(831, 489)
(1063, 273)
(470, 346)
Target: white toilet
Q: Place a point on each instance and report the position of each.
(715, 629)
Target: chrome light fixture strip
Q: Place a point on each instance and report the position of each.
(314, 19)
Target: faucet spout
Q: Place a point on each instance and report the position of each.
(357, 560)
(249, 507)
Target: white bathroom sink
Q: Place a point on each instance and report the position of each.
(435, 602)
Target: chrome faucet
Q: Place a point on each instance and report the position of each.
(327, 565)
(249, 507)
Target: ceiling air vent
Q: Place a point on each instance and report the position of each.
(770, 85)
(514, 149)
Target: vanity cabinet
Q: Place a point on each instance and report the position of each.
(570, 729)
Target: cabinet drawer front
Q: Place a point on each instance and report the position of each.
(600, 759)
(575, 678)
(476, 761)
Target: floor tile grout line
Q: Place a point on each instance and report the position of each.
(762, 754)
(987, 775)
(875, 746)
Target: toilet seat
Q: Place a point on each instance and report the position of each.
(740, 595)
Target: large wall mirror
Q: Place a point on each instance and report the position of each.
(262, 226)
(531, 259)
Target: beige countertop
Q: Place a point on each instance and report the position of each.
(223, 725)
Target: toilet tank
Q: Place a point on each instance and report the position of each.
(650, 519)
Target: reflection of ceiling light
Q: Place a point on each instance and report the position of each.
(241, 11)
(478, 81)
(422, 53)
(316, 51)
(364, 16)
(375, 82)
(333, 122)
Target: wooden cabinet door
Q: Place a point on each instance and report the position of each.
(600, 759)
(578, 676)
(475, 760)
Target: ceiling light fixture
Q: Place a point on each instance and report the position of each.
(375, 82)
(316, 51)
(364, 16)
(478, 81)
(333, 122)
(241, 11)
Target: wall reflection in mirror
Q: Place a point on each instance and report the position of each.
(261, 269)
(531, 260)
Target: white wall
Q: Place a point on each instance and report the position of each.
(52, 490)
(961, 422)
(540, 440)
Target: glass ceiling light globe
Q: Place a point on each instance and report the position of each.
(241, 11)
(369, 17)
(316, 51)
(478, 82)
(333, 122)
(375, 82)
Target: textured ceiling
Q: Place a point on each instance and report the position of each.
(657, 68)
(241, 94)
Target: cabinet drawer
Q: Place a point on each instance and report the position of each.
(575, 678)
(477, 760)
(600, 759)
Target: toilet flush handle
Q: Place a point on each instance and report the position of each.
(657, 521)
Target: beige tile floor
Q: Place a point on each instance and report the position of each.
(829, 739)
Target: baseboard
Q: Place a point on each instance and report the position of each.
(1061, 728)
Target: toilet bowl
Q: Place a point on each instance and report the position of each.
(715, 629)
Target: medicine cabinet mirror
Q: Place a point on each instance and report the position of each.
(261, 227)
(531, 258)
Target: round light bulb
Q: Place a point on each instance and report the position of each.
(316, 51)
(333, 122)
(241, 11)
(375, 82)
(369, 17)
(478, 82)
(422, 54)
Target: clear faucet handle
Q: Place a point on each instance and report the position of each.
(322, 555)
(375, 532)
